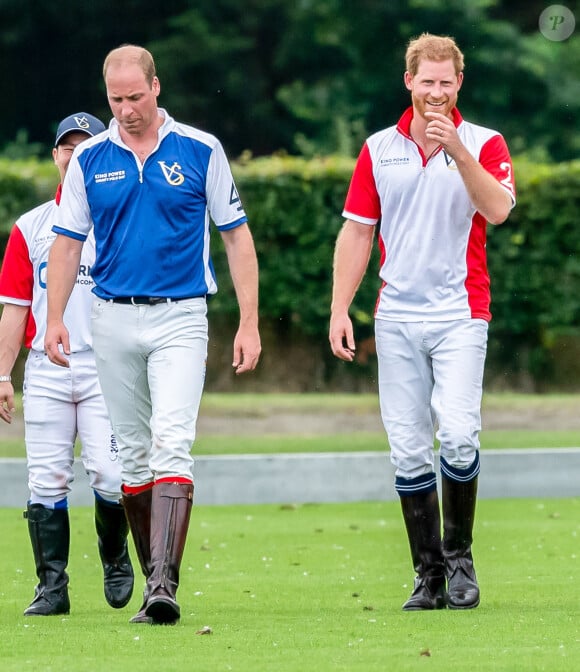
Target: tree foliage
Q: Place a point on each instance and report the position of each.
(310, 77)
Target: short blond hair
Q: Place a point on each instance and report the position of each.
(433, 48)
(128, 54)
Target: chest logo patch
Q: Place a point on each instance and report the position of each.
(394, 161)
(172, 174)
(449, 161)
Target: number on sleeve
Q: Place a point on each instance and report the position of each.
(507, 180)
(235, 198)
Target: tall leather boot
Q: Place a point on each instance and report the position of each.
(423, 523)
(458, 517)
(138, 511)
(170, 512)
(50, 536)
(112, 530)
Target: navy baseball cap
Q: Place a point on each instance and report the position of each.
(79, 122)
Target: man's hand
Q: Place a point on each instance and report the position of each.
(341, 337)
(57, 335)
(441, 129)
(247, 349)
(6, 402)
(492, 199)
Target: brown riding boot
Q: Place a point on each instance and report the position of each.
(170, 512)
(458, 516)
(138, 512)
(423, 523)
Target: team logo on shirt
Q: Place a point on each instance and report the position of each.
(394, 161)
(83, 277)
(111, 176)
(449, 161)
(172, 175)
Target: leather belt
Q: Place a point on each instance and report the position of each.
(147, 300)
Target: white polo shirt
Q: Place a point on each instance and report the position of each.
(23, 277)
(432, 240)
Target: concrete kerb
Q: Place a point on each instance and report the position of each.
(332, 477)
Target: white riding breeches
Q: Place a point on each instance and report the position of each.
(59, 405)
(151, 361)
(430, 377)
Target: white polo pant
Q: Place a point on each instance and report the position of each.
(430, 378)
(59, 404)
(151, 362)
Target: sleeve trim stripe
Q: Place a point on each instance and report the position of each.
(15, 302)
(357, 218)
(70, 234)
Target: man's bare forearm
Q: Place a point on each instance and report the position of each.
(62, 271)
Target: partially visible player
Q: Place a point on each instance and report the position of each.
(431, 182)
(148, 188)
(60, 404)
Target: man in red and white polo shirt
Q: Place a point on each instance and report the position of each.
(60, 404)
(430, 184)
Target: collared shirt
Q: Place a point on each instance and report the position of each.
(433, 263)
(23, 277)
(151, 221)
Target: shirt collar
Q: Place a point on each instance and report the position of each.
(164, 129)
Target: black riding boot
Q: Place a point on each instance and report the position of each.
(112, 530)
(50, 536)
(458, 516)
(423, 523)
(138, 510)
(170, 513)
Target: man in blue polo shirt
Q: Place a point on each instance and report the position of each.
(148, 188)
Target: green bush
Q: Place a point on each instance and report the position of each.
(294, 206)
(23, 185)
(534, 262)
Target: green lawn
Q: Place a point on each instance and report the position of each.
(231, 406)
(262, 404)
(258, 404)
(220, 445)
(242, 445)
(313, 587)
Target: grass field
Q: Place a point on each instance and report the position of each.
(314, 587)
(543, 430)
(262, 445)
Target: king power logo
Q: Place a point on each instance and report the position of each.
(172, 174)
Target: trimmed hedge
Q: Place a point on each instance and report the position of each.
(23, 184)
(294, 206)
(534, 262)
